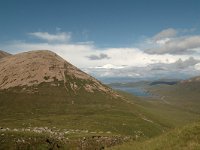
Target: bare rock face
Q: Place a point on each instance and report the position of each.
(35, 67)
(29, 68)
(4, 54)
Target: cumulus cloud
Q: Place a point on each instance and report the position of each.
(121, 62)
(177, 65)
(98, 57)
(180, 64)
(76, 54)
(167, 33)
(109, 66)
(172, 41)
(59, 37)
(162, 41)
(179, 45)
(110, 70)
(179, 69)
(197, 66)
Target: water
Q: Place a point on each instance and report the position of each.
(137, 91)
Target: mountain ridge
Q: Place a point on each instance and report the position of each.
(43, 66)
(4, 54)
(194, 79)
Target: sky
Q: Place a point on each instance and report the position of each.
(139, 39)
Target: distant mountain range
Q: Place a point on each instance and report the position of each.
(146, 83)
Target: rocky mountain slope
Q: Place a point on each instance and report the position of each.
(36, 67)
(40, 90)
(3, 54)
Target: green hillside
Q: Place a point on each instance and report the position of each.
(47, 103)
(185, 138)
(90, 115)
(183, 95)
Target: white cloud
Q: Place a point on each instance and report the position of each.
(179, 45)
(109, 66)
(98, 57)
(197, 66)
(175, 66)
(178, 69)
(180, 64)
(121, 62)
(172, 41)
(77, 54)
(167, 33)
(59, 37)
(163, 41)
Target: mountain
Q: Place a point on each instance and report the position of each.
(47, 103)
(33, 68)
(3, 54)
(42, 94)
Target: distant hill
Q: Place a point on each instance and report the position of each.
(3, 54)
(194, 79)
(145, 83)
(163, 82)
(184, 94)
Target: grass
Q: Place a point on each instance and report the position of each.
(93, 111)
(177, 110)
(185, 138)
(51, 106)
(184, 96)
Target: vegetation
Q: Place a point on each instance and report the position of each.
(29, 140)
(146, 121)
(52, 106)
(185, 138)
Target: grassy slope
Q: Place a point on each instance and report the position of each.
(176, 106)
(96, 112)
(52, 107)
(185, 138)
(165, 114)
(92, 112)
(184, 96)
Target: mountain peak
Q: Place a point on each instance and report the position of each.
(42, 66)
(30, 68)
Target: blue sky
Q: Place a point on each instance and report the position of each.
(106, 22)
(108, 37)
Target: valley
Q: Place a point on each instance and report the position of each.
(64, 108)
(100, 75)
